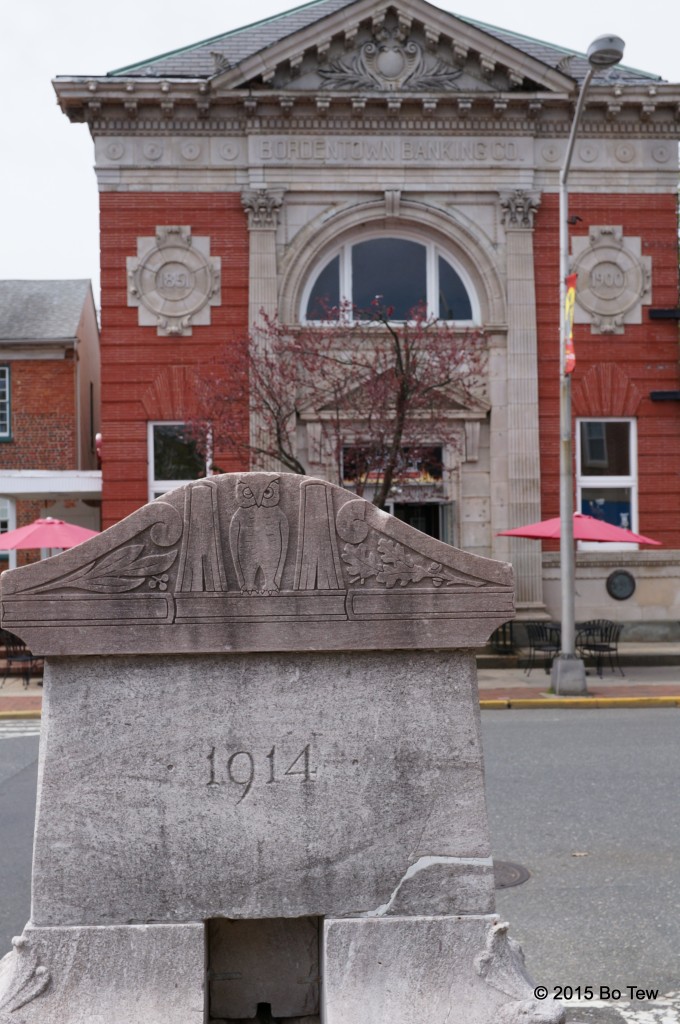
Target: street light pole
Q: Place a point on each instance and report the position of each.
(568, 671)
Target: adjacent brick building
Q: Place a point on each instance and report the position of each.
(257, 169)
(49, 404)
(147, 376)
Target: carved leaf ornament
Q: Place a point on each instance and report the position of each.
(387, 62)
(392, 564)
(123, 570)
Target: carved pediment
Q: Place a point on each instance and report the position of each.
(449, 402)
(387, 60)
(408, 46)
(252, 562)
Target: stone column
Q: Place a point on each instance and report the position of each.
(523, 452)
(262, 207)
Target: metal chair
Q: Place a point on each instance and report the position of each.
(18, 655)
(502, 640)
(599, 639)
(544, 640)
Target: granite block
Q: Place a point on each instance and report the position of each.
(137, 974)
(260, 786)
(439, 970)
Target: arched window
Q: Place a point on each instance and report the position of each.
(401, 272)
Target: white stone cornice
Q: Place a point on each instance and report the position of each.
(191, 107)
(82, 98)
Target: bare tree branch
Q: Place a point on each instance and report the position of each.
(384, 388)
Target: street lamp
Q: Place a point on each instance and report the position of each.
(568, 672)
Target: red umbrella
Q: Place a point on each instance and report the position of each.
(45, 533)
(585, 528)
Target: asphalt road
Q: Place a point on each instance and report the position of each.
(18, 781)
(588, 801)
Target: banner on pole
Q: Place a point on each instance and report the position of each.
(569, 353)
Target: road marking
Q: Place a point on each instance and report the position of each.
(20, 727)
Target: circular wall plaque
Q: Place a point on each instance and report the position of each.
(174, 280)
(612, 279)
(620, 585)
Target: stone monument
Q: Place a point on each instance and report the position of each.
(261, 790)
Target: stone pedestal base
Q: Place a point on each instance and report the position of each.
(135, 974)
(387, 970)
(427, 970)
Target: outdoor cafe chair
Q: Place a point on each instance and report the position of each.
(544, 642)
(18, 655)
(599, 639)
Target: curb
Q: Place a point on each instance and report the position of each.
(579, 702)
(501, 704)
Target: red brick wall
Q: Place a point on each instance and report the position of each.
(643, 359)
(144, 376)
(43, 415)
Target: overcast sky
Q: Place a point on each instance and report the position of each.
(49, 222)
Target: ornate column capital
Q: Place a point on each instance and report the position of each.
(262, 207)
(519, 207)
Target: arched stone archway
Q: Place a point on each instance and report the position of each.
(451, 230)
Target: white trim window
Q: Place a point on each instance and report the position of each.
(8, 521)
(174, 458)
(5, 421)
(607, 480)
(400, 273)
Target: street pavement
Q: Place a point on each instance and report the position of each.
(648, 681)
(589, 805)
(18, 783)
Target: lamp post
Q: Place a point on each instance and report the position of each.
(568, 672)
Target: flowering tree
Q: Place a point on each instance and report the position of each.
(379, 391)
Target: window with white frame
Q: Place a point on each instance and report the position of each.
(402, 274)
(8, 521)
(607, 471)
(5, 423)
(174, 457)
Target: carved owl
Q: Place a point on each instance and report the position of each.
(258, 534)
(261, 489)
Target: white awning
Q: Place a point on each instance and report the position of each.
(44, 483)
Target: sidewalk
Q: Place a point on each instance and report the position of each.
(645, 684)
(16, 702)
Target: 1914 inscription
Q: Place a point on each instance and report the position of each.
(243, 768)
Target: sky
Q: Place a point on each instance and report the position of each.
(49, 216)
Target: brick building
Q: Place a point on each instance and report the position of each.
(258, 169)
(49, 404)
